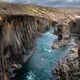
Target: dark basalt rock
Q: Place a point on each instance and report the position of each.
(75, 26)
(69, 67)
(17, 41)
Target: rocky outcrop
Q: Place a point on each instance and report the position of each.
(63, 33)
(69, 67)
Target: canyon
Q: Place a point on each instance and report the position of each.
(21, 24)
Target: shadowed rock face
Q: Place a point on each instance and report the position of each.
(75, 26)
(17, 40)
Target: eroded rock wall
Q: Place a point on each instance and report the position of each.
(63, 32)
(75, 26)
(68, 68)
(17, 40)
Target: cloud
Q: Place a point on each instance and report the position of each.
(40, 1)
(63, 0)
(20, 1)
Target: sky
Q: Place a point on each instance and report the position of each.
(51, 3)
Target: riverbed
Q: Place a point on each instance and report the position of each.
(40, 65)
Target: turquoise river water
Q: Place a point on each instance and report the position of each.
(44, 59)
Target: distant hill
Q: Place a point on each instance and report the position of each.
(50, 3)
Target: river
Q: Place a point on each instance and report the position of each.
(44, 59)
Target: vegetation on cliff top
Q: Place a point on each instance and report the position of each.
(54, 14)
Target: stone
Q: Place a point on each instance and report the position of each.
(68, 68)
(55, 46)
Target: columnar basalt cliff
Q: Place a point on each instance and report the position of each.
(17, 40)
(75, 26)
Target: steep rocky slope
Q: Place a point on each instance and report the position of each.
(68, 68)
(17, 41)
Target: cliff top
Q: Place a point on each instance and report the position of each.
(55, 14)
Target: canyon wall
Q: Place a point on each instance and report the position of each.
(17, 41)
(75, 26)
(63, 33)
(68, 68)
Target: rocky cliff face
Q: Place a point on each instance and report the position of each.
(75, 26)
(17, 40)
(68, 68)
